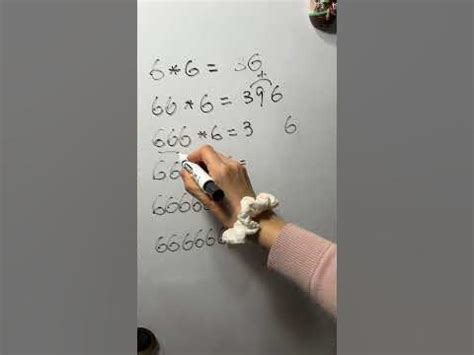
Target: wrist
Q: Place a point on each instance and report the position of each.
(270, 227)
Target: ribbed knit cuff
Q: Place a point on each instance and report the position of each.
(297, 253)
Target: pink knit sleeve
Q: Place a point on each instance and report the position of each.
(308, 260)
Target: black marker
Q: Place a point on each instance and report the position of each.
(202, 178)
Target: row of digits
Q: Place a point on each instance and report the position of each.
(172, 139)
(162, 205)
(207, 106)
(161, 173)
(188, 241)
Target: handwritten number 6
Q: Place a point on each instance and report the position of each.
(171, 206)
(156, 73)
(206, 106)
(210, 240)
(184, 206)
(184, 139)
(174, 171)
(157, 209)
(197, 206)
(170, 107)
(158, 174)
(214, 135)
(219, 235)
(198, 242)
(160, 247)
(276, 96)
(156, 109)
(187, 243)
(190, 71)
(173, 245)
(254, 64)
(172, 138)
(158, 142)
(290, 128)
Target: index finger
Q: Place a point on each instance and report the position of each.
(207, 155)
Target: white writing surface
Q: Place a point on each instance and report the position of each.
(256, 81)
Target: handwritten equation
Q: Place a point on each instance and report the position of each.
(258, 89)
(205, 104)
(189, 69)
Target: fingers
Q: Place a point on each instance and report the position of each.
(193, 188)
(207, 155)
(223, 157)
(247, 178)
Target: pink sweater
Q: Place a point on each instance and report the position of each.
(308, 260)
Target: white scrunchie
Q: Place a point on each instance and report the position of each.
(249, 208)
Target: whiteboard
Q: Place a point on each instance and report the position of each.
(258, 82)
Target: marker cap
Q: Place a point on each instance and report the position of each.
(213, 190)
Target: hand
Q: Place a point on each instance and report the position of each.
(228, 174)
(233, 179)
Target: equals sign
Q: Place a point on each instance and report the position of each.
(232, 132)
(242, 162)
(225, 101)
(212, 68)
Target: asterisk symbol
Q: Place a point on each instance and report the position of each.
(202, 134)
(174, 69)
(188, 104)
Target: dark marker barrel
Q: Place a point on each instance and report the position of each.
(214, 191)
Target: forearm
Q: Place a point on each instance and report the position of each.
(304, 257)
(270, 228)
